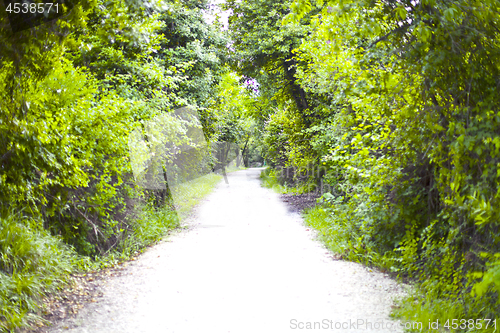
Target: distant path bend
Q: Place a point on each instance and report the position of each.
(246, 264)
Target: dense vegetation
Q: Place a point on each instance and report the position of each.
(72, 91)
(392, 109)
(389, 109)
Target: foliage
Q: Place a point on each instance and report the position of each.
(232, 114)
(272, 179)
(402, 112)
(194, 49)
(71, 92)
(264, 47)
(264, 55)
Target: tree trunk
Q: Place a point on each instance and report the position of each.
(298, 94)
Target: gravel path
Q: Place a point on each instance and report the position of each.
(245, 264)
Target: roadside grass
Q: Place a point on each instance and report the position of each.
(189, 194)
(270, 180)
(424, 302)
(455, 312)
(35, 264)
(32, 264)
(335, 237)
(149, 227)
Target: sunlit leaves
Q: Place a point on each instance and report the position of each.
(413, 87)
(401, 12)
(423, 32)
(197, 49)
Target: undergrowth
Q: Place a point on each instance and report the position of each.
(426, 302)
(340, 227)
(269, 178)
(34, 264)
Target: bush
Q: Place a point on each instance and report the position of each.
(406, 119)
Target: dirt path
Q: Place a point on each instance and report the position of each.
(246, 264)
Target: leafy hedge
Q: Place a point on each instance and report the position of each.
(71, 92)
(404, 115)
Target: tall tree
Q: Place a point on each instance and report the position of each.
(197, 50)
(263, 45)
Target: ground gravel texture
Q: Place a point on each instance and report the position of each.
(244, 263)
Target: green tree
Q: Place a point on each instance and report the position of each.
(264, 47)
(193, 49)
(413, 137)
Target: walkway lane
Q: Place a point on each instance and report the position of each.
(246, 265)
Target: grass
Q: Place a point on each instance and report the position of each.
(425, 304)
(35, 264)
(269, 180)
(32, 264)
(336, 237)
(148, 228)
(189, 194)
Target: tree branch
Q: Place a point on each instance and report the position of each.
(402, 28)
